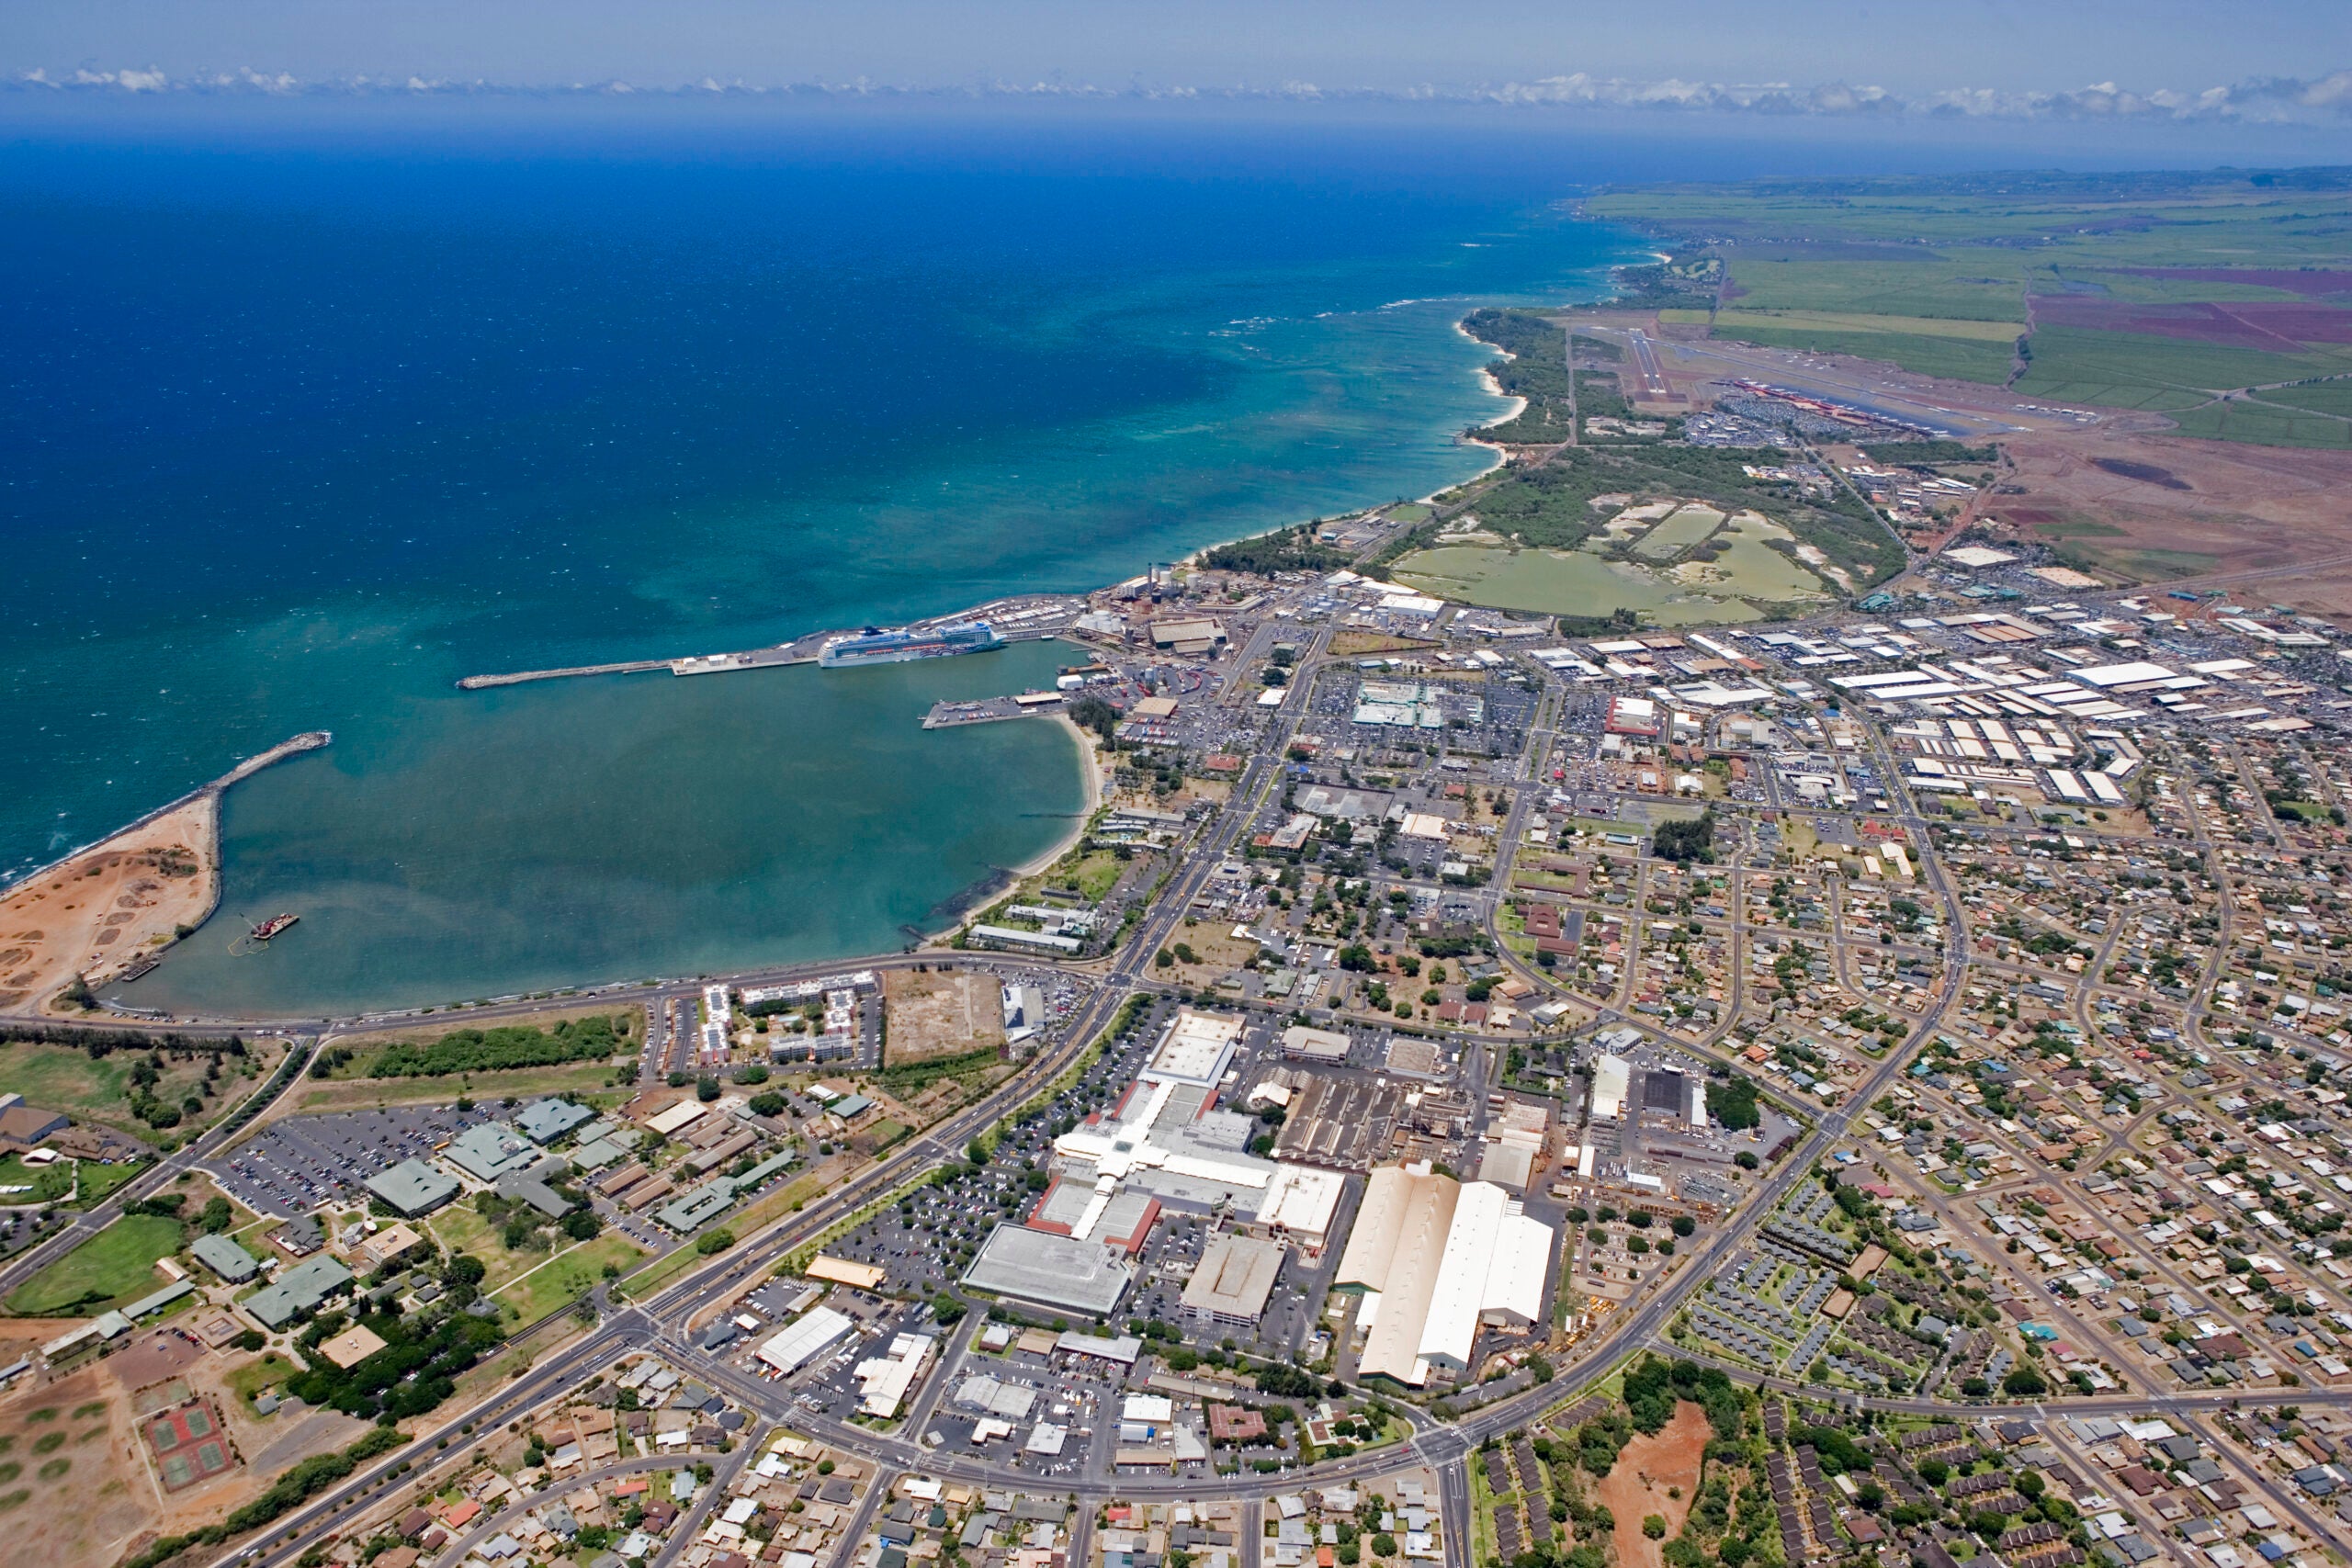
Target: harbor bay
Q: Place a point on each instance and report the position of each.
(616, 473)
(611, 829)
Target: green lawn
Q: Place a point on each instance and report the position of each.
(265, 1371)
(460, 1229)
(1957, 359)
(552, 1286)
(57, 1078)
(2141, 370)
(47, 1183)
(116, 1266)
(97, 1180)
(2264, 424)
(1090, 873)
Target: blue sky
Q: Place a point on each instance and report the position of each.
(1905, 46)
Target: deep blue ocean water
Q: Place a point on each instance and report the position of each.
(299, 431)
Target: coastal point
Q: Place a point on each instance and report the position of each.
(1653, 882)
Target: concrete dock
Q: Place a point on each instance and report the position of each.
(991, 710)
(1026, 619)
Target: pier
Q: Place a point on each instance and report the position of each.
(991, 710)
(1027, 619)
(477, 683)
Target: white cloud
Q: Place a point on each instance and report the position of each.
(2325, 98)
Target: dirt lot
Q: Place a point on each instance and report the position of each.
(1647, 1470)
(89, 1493)
(108, 905)
(2153, 508)
(1217, 950)
(941, 1015)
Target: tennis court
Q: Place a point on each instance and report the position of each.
(189, 1445)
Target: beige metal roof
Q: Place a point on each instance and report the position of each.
(1235, 1277)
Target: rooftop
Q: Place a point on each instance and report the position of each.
(1051, 1270)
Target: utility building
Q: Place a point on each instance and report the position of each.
(1613, 1079)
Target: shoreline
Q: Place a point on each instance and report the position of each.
(132, 898)
(1091, 765)
(1090, 761)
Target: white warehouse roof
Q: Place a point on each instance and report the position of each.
(1301, 1200)
(1196, 1047)
(804, 1339)
(1440, 1257)
(1451, 1326)
(1515, 1284)
(1613, 1079)
(2105, 675)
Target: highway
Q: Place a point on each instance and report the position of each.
(661, 1322)
(661, 1319)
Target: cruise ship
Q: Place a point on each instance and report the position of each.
(876, 645)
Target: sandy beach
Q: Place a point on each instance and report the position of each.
(109, 906)
(1091, 765)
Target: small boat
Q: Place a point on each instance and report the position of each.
(272, 926)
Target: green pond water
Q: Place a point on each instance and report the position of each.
(619, 828)
(1581, 582)
(1561, 582)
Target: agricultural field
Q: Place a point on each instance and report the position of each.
(2143, 371)
(2266, 420)
(2153, 507)
(2155, 292)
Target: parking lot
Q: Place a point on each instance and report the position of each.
(928, 1240)
(292, 1167)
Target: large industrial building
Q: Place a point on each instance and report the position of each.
(802, 1340)
(1433, 1259)
(1675, 1095)
(1166, 1140)
(1164, 1145)
(1049, 1270)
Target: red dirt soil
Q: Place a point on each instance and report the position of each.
(1638, 1482)
(2317, 281)
(2277, 326)
(2272, 508)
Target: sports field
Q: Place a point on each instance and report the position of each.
(116, 1266)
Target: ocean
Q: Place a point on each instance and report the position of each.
(303, 428)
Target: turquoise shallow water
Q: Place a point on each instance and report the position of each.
(304, 433)
(625, 828)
